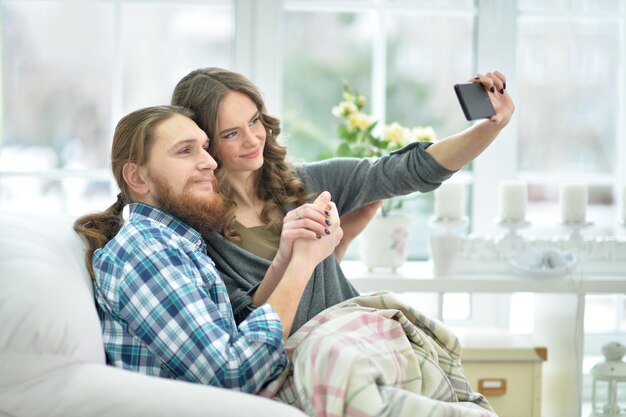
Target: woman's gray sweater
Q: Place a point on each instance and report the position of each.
(352, 183)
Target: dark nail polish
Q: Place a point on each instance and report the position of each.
(317, 235)
(504, 86)
(502, 91)
(492, 89)
(327, 213)
(477, 77)
(327, 231)
(328, 223)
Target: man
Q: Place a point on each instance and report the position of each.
(163, 308)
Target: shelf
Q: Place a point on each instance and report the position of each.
(418, 277)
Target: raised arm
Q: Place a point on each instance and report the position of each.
(457, 150)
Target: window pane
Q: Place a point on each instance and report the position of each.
(426, 55)
(522, 313)
(182, 37)
(56, 87)
(426, 303)
(600, 314)
(456, 306)
(570, 66)
(75, 196)
(314, 69)
(417, 92)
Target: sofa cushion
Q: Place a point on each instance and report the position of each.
(46, 301)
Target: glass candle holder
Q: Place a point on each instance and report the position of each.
(511, 242)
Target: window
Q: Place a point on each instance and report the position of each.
(72, 69)
(61, 100)
(56, 101)
(314, 67)
(404, 56)
(182, 38)
(566, 54)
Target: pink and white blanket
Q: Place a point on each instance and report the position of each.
(375, 356)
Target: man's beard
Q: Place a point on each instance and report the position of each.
(205, 214)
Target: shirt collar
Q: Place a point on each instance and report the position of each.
(143, 211)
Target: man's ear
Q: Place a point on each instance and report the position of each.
(134, 176)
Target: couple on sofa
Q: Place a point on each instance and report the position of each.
(217, 265)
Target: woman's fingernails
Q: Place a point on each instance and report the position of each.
(327, 213)
(327, 231)
(504, 86)
(328, 223)
(317, 235)
(477, 77)
(502, 91)
(492, 89)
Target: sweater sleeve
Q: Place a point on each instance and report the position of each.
(354, 182)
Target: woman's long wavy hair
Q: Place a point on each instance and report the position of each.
(132, 142)
(276, 184)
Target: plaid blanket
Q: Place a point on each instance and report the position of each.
(375, 356)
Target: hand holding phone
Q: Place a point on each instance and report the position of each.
(474, 101)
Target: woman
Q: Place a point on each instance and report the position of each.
(259, 185)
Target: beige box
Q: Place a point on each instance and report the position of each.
(510, 377)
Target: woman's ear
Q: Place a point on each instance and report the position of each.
(134, 177)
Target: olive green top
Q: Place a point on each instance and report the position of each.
(262, 240)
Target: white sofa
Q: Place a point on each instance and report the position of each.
(52, 361)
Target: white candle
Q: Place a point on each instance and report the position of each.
(450, 200)
(573, 199)
(513, 197)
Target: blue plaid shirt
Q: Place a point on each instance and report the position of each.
(165, 311)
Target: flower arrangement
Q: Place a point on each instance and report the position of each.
(359, 138)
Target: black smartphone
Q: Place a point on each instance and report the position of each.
(474, 101)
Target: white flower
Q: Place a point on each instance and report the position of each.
(423, 134)
(359, 121)
(396, 134)
(347, 96)
(344, 109)
(360, 101)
